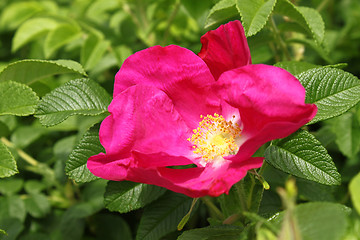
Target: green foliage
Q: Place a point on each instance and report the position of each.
(303, 156)
(58, 59)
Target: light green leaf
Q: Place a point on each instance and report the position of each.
(320, 220)
(127, 196)
(93, 50)
(212, 233)
(302, 155)
(88, 146)
(347, 131)
(308, 18)
(16, 13)
(37, 205)
(60, 36)
(11, 186)
(254, 14)
(12, 206)
(30, 71)
(163, 216)
(81, 96)
(7, 162)
(31, 30)
(17, 99)
(354, 188)
(334, 91)
(222, 11)
(295, 67)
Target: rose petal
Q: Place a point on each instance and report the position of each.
(225, 48)
(270, 101)
(177, 71)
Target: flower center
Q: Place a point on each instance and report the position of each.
(215, 137)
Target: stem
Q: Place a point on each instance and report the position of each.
(21, 153)
(212, 207)
(279, 39)
(170, 20)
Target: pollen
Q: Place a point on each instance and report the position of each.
(215, 137)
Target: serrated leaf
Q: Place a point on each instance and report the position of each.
(17, 99)
(221, 11)
(354, 188)
(81, 96)
(295, 67)
(127, 196)
(334, 91)
(347, 131)
(30, 71)
(93, 50)
(31, 30)
(88, 146)
(213, 233)
(320, 220)
(60, 36)
(254, 14)
(7, 162)
(302, 155)
(163, 216)
(308, 18)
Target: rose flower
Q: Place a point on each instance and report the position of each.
(191, 123)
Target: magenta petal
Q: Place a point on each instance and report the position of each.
(177, 71)
(225, 48)
(270, 100)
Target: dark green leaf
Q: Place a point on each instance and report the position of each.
(17, 99)
(163, 216)
(213, 233)
(88, 146)
(128, 196)
(112, 227)
(222, 11)
(295, 67)
(302, 155)
(12, 226)
(10, 186)
(81, 96)
(7, 162)
(254, 14)
(334, 91)
(30, 71)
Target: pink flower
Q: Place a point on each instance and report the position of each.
(192, 123)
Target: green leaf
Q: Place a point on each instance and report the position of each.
(213, 233)
(31, 30)
(320, 221)
(254, 14)
(10, 186)
(354, 188)
(302, 155)
(127, 196)
(308, 18)
(12, 206)
(17, 99)
(163, 216)
(93, 50)
(37, 205)
(12, 226)
(111, 226)
(334, 91)
(88, 146)
(347, 131)
(294, 67)
(7, 162)
(30, 71)
(60, 36)
(81, 96)
(222, 11)
(16, 13)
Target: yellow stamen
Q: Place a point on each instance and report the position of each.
(215, 137)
